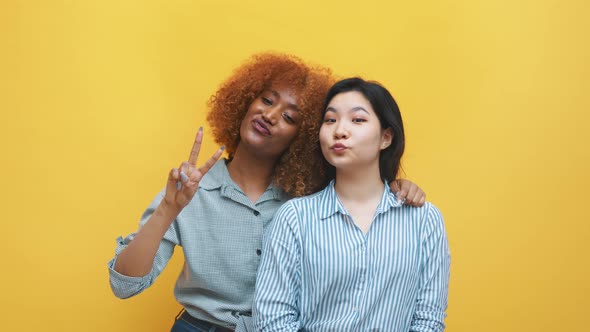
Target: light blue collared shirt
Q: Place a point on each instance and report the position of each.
(320, 272)
(220, 232)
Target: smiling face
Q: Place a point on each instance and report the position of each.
(271, 123)
(351, 136)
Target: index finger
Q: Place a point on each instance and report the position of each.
(192, 159)
(205, 168)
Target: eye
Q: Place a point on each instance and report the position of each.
(266, 101)
(329, 120)
(358, 120)
(288, 118)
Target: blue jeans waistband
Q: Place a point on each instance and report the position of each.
(202, 324)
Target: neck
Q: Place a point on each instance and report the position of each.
(251, 173)
(352, 185)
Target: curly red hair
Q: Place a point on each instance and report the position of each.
(300, 170)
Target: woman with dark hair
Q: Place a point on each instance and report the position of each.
(266, 115)
(351, 257)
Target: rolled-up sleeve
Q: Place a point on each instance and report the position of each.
(434, 284)
(125, 286)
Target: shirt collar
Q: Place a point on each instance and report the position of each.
(389, 200)
(330, 204)
(218, 177)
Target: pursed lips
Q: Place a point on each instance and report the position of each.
(338, 147)
(261, 127)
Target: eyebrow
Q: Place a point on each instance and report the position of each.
(354, 109)
(293, 106)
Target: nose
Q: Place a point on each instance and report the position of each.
(340, 130)
(270, 115)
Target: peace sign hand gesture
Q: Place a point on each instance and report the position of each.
(183, 182)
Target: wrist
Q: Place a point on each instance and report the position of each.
(168, 211)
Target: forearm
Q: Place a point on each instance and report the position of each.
(137, 259)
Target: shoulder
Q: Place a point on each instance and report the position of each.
(432, 220)
(303, 208)
(295, 211)
(424, 213)
(433, 214)
(304, 201)
(425, 218)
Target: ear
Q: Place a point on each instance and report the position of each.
(386, 138)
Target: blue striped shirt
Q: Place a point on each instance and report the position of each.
(320, 272)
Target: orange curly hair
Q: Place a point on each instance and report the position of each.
(300, 170)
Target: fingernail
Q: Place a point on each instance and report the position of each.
(178, 185)
(399, 200)
(222, 148)
(200, 128)
(183, 177)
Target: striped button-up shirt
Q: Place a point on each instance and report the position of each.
(320, 272)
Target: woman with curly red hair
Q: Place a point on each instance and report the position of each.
(267, 115)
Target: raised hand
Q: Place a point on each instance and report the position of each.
(183, 181)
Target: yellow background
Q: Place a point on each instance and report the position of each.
(99, 99)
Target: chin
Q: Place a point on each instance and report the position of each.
(338, 165)
(349, 167)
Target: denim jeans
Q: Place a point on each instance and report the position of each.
(183, 325)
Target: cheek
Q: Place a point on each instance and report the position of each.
(247, 115)
(244, 125)
(323, 136)
(294, 131)
(255, 107)
(292, 135)
(289, 136)
(371, 135)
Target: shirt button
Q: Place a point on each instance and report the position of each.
(256, 213)
(258, 252)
